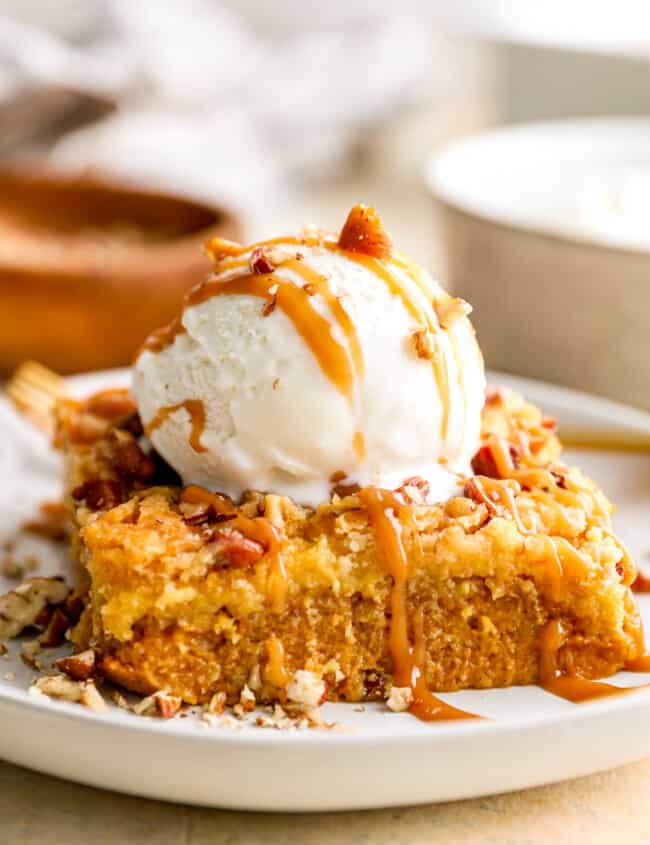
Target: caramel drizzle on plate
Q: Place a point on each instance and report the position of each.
(390, 519)
(256, 528)
(196, 410)
(572, 687)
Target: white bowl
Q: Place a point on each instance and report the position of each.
(546, 231)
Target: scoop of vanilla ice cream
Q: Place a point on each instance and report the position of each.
(280, 415)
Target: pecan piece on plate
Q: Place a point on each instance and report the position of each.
(23, 606)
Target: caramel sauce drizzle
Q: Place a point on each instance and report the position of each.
(345, 322)
(295, 303)
(414, 308)
(572, 687)
(196, 410)
(163, 337)
(639, 664)
(256, 528)
(275, 672)
(320, 285)
(237, 250)
(387, 516)
(564, 558)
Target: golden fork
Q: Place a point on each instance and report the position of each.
(621, 440)
(34, 389)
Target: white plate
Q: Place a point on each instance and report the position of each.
(375, 758)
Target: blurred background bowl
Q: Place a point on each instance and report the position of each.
(545, 229)
(89, 266)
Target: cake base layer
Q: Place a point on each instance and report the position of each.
(194, 595)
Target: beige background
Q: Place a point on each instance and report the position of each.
(611, 808)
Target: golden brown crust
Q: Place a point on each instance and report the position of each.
(174, 607)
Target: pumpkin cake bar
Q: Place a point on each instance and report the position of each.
(191, 594)
(308, 495)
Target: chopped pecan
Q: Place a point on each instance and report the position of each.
(259, 262)
(307, 689)
(270, 305)
(57, 627)
(217, 704)
(560, 478)
(195, 514)
(111, 404)
(74, 605)
(364, 232)
(338, 476)
(415, 490)
(132, 424)
(99, 494)
(247, 699)
(88, 428)
(345, 490)
(452, 310)
(474, 490)
(160, 704)
(91, 697)
(281, 253)
(43, 618)
(128, 456)
(168, 705)
(79, 667)
(400, 699)
(58, 686)
(28, 652)
(232, 548)
(21, 607)
(485, 463)
(50, 524)
(423, 344)
(493, 395)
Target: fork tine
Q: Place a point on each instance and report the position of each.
(34, 389)
(37, 374)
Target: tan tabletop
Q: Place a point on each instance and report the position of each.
(610, 808)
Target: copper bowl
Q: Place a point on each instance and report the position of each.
(89, 266)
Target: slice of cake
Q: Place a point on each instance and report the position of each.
(194, 596)
(327, 513)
